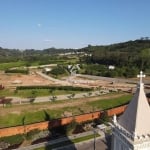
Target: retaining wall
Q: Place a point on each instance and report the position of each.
(58, 122)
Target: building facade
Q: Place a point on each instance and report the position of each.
(131, 130)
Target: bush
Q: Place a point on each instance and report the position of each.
(30, 135)
(59, 70)
(71, 126)
(13, 140)
(78, 129)
(71, 88)
(17, 71)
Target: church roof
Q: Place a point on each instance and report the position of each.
(136, 119)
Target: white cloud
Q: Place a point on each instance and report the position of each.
(47, 40)
(39, 24)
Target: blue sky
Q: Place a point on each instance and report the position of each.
(40, 24)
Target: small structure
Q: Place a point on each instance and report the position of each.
(46, 70)
(73, 68)
(102, 127)
(111, 67)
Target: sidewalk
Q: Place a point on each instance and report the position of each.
(19, 100)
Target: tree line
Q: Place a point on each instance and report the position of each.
(128, 57)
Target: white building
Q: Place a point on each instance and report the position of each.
(132, 130)
(111, 67)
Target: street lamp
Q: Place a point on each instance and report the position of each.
(94, 138)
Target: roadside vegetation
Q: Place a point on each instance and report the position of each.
(38, 91)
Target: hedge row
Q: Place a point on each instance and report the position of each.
(67, 88)
(17, 71)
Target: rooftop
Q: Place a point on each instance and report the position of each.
(135, 119)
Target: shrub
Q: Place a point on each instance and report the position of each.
(30, 135)
(71, 88)
(23, 71)
(58, 70)
(12, 140)
(78, 129)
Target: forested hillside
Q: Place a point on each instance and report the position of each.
(8, 55)
(127, 57)
(132, 54)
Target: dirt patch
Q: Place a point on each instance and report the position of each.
(67, 114)
(15, 112)
(12, 80)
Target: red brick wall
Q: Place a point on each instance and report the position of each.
(58, 122)
(116, 111)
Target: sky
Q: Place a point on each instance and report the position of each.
(40, 24)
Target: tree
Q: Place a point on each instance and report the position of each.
(71, 96)
(89, 94)
(104, 117)
(145, 58)
(6, 101)
(53, 98)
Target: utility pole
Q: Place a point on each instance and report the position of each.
(94, 140)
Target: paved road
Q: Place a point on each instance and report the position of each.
(100, 144)
(32, 147)
(18, 100)
(110, 79)
(57, 81)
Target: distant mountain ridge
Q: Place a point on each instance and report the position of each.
(136, 45)
(131, 52)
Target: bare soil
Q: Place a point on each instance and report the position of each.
(10, 80)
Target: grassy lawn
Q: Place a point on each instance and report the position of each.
(32, 116)
(85, 138)
(104, 104)
(65, 143)
(6, 92)
(32, 113)
(36, 92)
(9, 65)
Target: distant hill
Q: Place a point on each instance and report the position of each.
(132, 53)
(129, 46)
(8, 55)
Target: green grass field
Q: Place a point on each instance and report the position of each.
(110, 103)
(35, 92)
(5, 66)
(20, 63)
